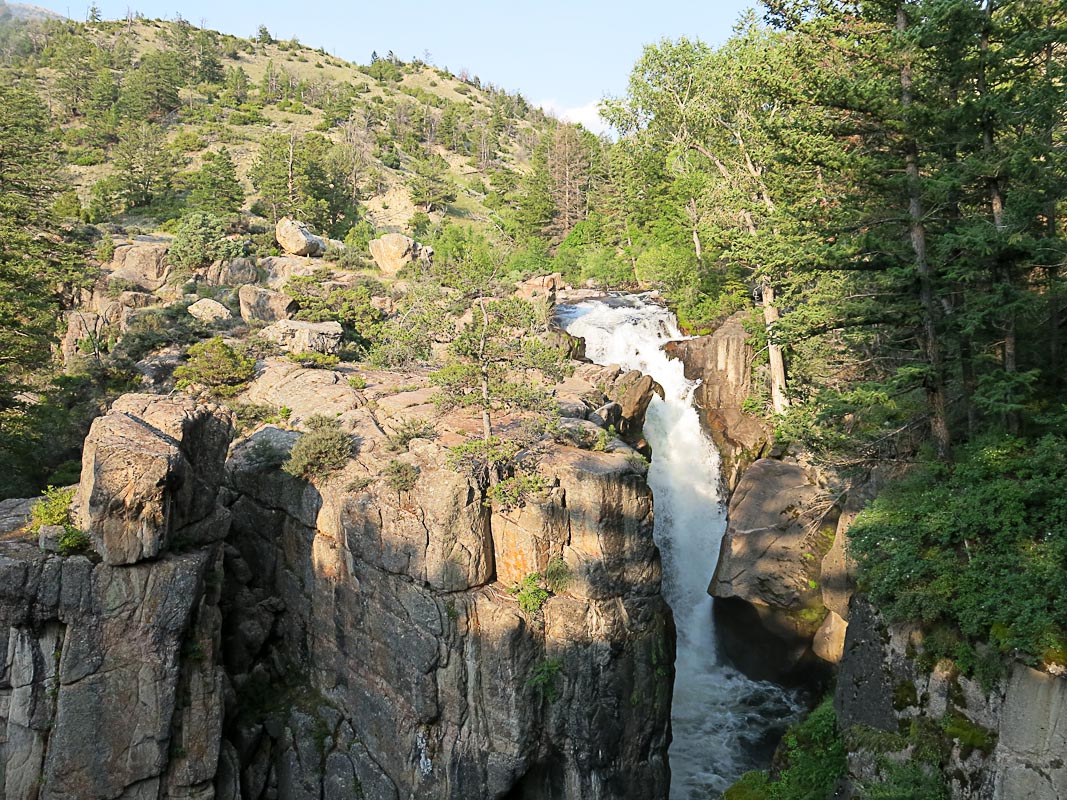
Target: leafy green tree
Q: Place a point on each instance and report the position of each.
(431, 188)
(216, 365)
(214, 189)
(151, 89)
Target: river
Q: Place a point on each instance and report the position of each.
(723, 723)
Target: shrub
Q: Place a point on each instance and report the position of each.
(557, 575)
(357, 382)
(407, 430)
(216, 365)
(105, 250)
(530, 594)
(199, 240)
(514, 491)
(544, 678)
(313, 360)
(400, 477)
(53, 509)
(811, 759)
(974, 552)
(73, 541)
(325, 448)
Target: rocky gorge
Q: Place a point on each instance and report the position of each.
(239, 632)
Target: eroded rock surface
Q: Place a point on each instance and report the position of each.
(296, 239)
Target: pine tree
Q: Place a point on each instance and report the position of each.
(214, 189)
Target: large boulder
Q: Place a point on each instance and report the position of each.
(295, 336)
(143, 263)
(151, 471)
(303, 391)
(393, 251)
(295, 238)
(231, 273)
(209, 311)
(264, 305)
(780, 526)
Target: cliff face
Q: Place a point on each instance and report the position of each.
(246, 634)
(1002, 743)
(722, 362)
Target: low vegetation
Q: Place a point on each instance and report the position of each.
(217, 366)
(325, 448)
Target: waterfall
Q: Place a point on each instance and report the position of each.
(720, 719)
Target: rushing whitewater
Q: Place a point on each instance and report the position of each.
(719, 718)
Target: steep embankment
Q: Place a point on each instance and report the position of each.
(786, 598)
(251, 634)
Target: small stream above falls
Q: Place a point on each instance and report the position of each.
(723, 723)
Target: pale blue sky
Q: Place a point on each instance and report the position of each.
(559, 53)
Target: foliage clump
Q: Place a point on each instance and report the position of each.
(216, 365)
(812, 757)
(53, 509)
(400, 476)
(199, 240)
(406, 430)
(324, 449)
(530, 594)
(545, 678)
(974, 551)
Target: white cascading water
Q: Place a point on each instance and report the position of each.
(719, 718)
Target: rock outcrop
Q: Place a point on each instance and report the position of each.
(111, 683)
(264, 305)
(296, 239)
(1002, 743)
(207, 310)
(143, 262)
(150, 475)
(722, 362)
(779, 527)
(296, 336)
(247, 634)
(397, 604)
(393, 251)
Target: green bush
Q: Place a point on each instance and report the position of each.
(357, 382)
(73, 541)
(545, 678)
(325, 448)
(216, 365)
(201, 239)
(53, 508)
(313, 360)
(812, 759)
(974, 552)
(105, 249)
(399, 476)
(530, 594)
(407, 430)
(557, 575)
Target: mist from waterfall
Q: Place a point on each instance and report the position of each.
(720, 719)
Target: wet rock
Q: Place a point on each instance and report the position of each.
(722, 362)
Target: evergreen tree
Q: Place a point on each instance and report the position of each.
(214, 188)
(144, 167)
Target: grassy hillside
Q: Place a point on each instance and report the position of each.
(389, 117)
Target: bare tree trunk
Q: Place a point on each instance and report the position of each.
(779, 398)
(935, 388)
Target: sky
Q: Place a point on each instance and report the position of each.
(564, 55)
